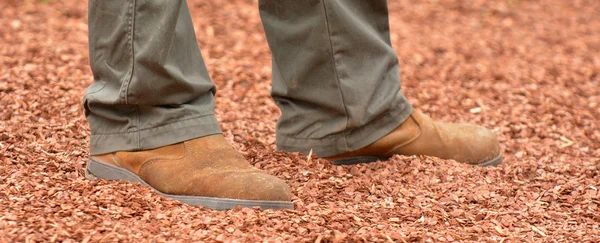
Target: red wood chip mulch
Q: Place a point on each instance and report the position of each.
(528, 69)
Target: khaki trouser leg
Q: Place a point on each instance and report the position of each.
(151, 87)
(335, 74)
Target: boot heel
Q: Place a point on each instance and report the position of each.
(357, 160)
(90, 176)
(88, 173)
(98, 170)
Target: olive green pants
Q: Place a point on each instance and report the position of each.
(335, 75)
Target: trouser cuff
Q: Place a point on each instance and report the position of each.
(155, 137)
(350, 140)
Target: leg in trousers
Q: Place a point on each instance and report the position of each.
(336, 81)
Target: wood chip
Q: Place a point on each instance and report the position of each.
(538, 231)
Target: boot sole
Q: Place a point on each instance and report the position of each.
(97, 170)
(370, 159)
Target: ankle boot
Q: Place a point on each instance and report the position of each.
(205, 171)
(420, 135)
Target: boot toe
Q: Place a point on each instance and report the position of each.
(257, 186)
(484, 145)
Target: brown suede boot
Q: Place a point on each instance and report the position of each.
(420, 135)
(205, 171)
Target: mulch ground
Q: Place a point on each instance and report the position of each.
(530, 70)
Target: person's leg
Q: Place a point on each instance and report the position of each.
(151, 87)
(150, 110)
(336, 80)
(335, 74)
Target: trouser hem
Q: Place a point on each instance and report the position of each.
(351, 140)
(156, 137)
